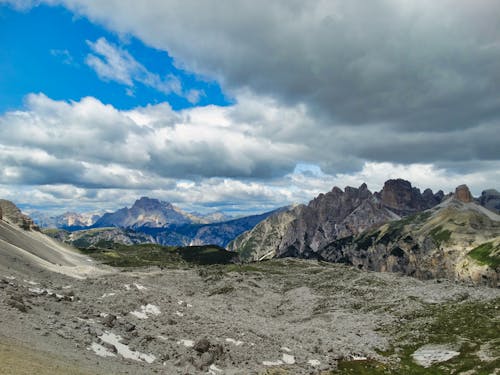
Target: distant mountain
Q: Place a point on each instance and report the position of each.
(146, 212)
(67, 220)
(336, 214)
(490, 199)
(219, 234)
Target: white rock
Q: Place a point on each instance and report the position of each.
(428, 355)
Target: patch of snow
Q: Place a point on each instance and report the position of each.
(10, 277)
(178, 313)
(288, 359)
(358, 358)
(146, 310)
(140, 287)
(103, 315)
(101, 351)
(68, 287)
(189, 305)
(272, 363)
(127, 286)
(314, 362)
(31, 282)
(235, 342)
(37, 290)
(428, 355)
(124, 350)
(214, 370)
(163, 338)
(285, 349)
(108, 295)
(180, 303)
(186, 343)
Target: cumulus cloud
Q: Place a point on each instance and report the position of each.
(112, 63)
(421, 65)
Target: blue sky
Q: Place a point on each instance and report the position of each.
(243, 106)
(44, 49)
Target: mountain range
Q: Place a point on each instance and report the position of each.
(396, 229)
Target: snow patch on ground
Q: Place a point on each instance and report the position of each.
(428, 355)
(108, 295)
(235, 342)
(272, 363)
(124, 350)
(101, 351)
(288, 359)
(214, 370)
(314, 362)
(186, 343)
(140, 287)
(146, 310)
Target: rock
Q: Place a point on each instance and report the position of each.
(109, 320)
(491, 200)
(462, 193)
(202, 345)
(205, 360)
(17, 305)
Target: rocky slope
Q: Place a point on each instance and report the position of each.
(10, 213)
(457, 239)
(336, 214)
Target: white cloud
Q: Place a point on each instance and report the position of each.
(112, 63)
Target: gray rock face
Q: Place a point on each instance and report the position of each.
(400, 197)
(11, 213)
(334, 215)
(490, 199)
(437, 243)
(329, 216)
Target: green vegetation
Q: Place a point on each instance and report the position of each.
(470, 327)
(440, 235)
(486, 254)
(118, 255)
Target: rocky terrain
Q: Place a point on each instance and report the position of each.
(336, 214)
(63, 313)
(397, 229)
(456, 239)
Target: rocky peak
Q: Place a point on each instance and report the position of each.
(400, 197)
(462, 193)
(11, 213)
(491, 200)
(146, 203)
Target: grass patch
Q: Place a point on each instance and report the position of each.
(484, 254)
(466, 326)
(162, 256)
(440, 235)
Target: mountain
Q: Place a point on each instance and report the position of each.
(336, 214)
(146, 212)
(491, 200)
(25, 250)
(194, 234)
(67, 220)
(10, 213)
(457, 239)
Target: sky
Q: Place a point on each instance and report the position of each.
(244, 106)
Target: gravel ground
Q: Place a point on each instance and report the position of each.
(300, 316)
